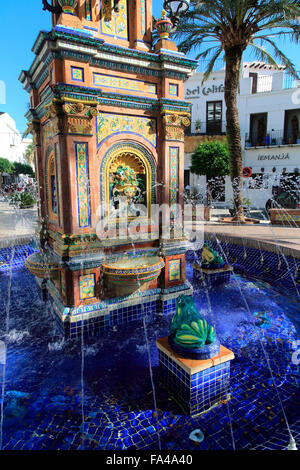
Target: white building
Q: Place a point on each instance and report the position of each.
(269, 109)
(12, 146)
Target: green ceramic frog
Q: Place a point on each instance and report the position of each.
(211, 257)
(188, 328)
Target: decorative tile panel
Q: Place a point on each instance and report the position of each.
(109, 81)
(110, 124)
(173, 179)
(143, 17)
(175, 270)
(112, 23)
(88, 10)
(62, 283)
(82, 175)
(173, 89)
(87, 287)
(77, 74)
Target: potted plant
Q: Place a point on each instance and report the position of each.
(23, 200)
(248, 143)
(273, 141)
(267, 139)
(298, 139)
(198, 125)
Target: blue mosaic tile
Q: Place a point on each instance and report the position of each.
(199, 392)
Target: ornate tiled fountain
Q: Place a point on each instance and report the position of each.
(107, 114)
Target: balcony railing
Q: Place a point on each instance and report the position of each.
(264, 83)
(206, 128)
(274, 137)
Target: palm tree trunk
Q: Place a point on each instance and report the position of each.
(233, 58)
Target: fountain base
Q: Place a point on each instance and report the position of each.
(109, 313)
(196, 385)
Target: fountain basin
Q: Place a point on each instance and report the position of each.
(128, 275)
(42, 265)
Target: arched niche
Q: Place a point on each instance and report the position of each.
(128, 171)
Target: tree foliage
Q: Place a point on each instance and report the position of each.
(29, 154)
(217, 26)
(22, 169)
(211, 158)
(226, 28)
(5, 166)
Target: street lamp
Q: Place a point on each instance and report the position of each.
(176, 9)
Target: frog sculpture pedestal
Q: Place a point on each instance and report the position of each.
(196, 385)
(193, 365)
(212, 270)
(212, 277)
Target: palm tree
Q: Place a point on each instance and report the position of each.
(29, 153)
(226, 28)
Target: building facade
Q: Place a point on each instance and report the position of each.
(269, 110)
(12, 145)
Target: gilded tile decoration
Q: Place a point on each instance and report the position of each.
(174, 124)
(175, 270)
(109, 124)
(87, 286)
(143, 16)
(77, 74)
(119, 83)
(114, 23)
(82, 174)
(174, 181)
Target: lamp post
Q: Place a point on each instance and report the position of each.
(176, 9)
(56, 8)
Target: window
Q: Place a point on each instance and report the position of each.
(292, 126)
(254, 82)
(258, 129)
(187, 175)
(214, 117)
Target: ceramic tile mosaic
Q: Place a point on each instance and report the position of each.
(112, 24)
(77, 74)
(173, 179)
(175, 270)
(110, 124)
(143, 16)
(88, 10)
(83, 192)
(127, 84)
(173, 89)
(87, 287)
(199, 392)
(211, 279)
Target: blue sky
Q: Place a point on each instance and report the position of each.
(20, 23)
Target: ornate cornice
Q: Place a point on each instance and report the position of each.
(58, 44)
